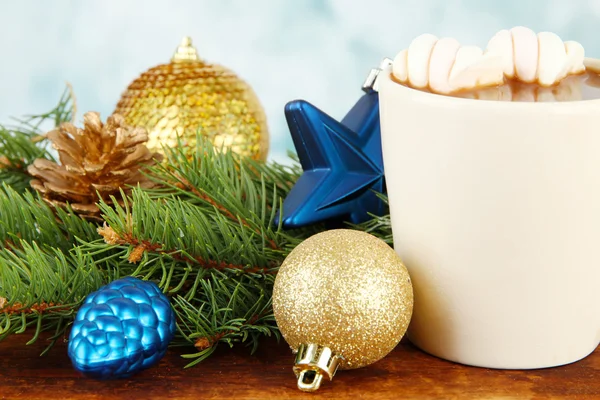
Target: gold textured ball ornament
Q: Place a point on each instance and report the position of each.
(188, 95)
(342, 299)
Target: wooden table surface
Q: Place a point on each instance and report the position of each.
(235, 374)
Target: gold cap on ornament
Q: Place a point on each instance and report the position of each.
(185, 51)
(313, 362)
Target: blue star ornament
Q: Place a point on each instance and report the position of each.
(342, 163)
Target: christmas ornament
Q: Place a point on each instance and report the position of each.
(120, 329)
(187, 96)
(342, 162)
(342, 298)
(97, 161)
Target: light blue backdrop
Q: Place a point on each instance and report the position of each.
(318, 50)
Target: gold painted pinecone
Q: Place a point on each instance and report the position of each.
(97, 161)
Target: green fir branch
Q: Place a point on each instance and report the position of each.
(23, 142)
(35, 125)
(244, 191)
(17, 150)
(379, 226)
(26, 217)
(43, 288)
(229, 310)
(173, 228)
(209, 235)
(75, 228)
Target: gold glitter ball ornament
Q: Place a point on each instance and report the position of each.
(187, 96)
(342, 298)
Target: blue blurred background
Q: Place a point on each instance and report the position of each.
(318, 50)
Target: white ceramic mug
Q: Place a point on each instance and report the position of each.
(495, 211)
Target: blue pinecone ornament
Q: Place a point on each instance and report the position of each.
(120, 329)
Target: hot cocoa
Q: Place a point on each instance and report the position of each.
(517, 65)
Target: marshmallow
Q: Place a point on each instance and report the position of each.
(525, 53)
(543, 58)
(443, 66)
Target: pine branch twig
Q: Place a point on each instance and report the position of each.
(142, 246)
(39, 308)
(203, 343)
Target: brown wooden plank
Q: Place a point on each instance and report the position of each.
(234, 373)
